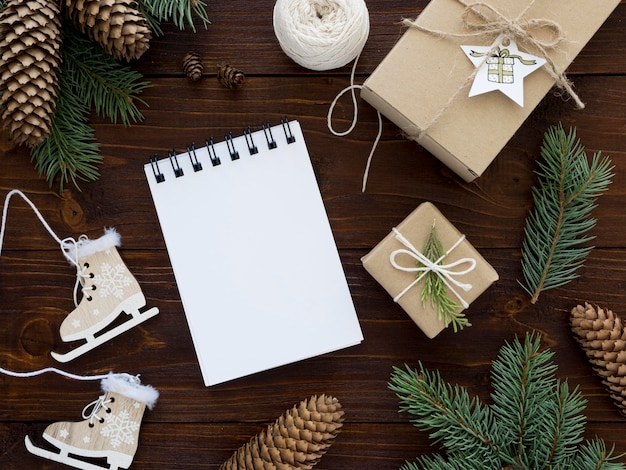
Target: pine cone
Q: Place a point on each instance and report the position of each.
(298, 439)
(114, 24)
(229, 76)
(192, 66)
(602, 336)
(30, 45)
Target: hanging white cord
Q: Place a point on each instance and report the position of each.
(51, 370)
(62, 243)
(355, 118)
(35, 210)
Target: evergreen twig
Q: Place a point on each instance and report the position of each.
(534, 423)
(556, 229)
(180, 12)
(112, 89)
(71, 152)
(435, 289)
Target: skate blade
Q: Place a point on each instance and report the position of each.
(63, 457)
(104, 337)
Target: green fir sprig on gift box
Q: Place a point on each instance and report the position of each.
(61, 60)
(435, 290)
(556, 236)
(534, 422)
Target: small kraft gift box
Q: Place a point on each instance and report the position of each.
(423, 85)
(397, 263)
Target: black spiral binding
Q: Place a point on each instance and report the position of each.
(288, 134)
(234, 155)
(154, 163)
(215, 159)
(251, 147)
(197, 166)
(271, 143)
(178, 171)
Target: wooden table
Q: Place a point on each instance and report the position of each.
(197, 427)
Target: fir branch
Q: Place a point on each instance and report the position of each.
(100, 81)
(534, 423)
(435, 289)
(180, 12)
(595, 456)
(522, 382)
(565, 424)
(556, 230)
(529, 401)
(71, 151)
(458, 422)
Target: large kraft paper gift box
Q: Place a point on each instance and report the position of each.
(416, 229)
(422, 84)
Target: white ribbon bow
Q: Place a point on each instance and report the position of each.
(445, 271)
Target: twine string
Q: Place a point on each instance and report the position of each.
(482, 19)
(446, 272)
(355, 117)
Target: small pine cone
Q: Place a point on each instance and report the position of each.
(602, 336)
(229, 76)
(296, 440)
(30, 48)
(192, 66)
(114, 24)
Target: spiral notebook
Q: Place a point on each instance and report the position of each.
(252, 251)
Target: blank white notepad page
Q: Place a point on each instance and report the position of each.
(253, 254)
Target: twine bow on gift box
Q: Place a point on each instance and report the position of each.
(540, 34)
(446, 272)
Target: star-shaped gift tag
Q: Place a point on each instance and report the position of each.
(501, 67)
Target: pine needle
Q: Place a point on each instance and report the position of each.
(71, 152)
(435, 290)
(556, 232)
(100, 81)
(535, 422)
(180, 12)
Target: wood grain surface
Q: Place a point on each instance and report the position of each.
(194, 427)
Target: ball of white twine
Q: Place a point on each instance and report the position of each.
(321, 34)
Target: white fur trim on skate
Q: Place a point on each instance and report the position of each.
(130, 386)
(86, 247)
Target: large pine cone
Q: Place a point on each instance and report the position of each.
(30, 48)
(296, 440)
(602, 336)
(114, 24)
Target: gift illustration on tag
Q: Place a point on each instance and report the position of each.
(501, 67)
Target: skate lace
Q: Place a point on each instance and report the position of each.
(70, 248)
(91, 411)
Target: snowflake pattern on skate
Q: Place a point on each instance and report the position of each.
(111, 280)
(120, 429)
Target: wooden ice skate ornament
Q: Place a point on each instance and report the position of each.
(109, 429)
(107, 287)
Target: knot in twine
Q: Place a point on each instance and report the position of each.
(321, 34)
(445, 271)
(541, 34)
(520, 29)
